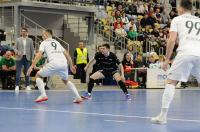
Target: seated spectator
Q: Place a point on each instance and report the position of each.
(144, 21)
(141, 73)
(124, 19)
(132, 34)
(8, 69)
(131, 24)
(119, 31)
(153, 61)
(118, 21)
(128, 63)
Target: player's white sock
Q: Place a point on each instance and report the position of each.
(40, 84)
(167, 98)
(71, 86)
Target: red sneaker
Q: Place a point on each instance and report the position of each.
(41, 99)
(77, 101)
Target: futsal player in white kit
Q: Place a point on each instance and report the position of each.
(185, 28)
(57, 58)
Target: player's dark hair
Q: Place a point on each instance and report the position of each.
(186, 4)
(49, 31)
(24, 28)
(106, 45)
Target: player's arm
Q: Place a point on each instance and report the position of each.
(170, 46)
(69, 59)
(89, 63)
(36, 59)
(34, 62)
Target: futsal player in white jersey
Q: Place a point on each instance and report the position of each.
(57, 58)
(185, 28)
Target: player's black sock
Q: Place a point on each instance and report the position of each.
(123, 87)
(90, 85)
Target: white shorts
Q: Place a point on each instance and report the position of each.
(183, 66)
(54, 68)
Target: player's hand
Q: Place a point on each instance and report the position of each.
(165, 65)
(29, 71)
(73, 69)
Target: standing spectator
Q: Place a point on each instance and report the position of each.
(8, 68)
(81, 59)
(24, 50)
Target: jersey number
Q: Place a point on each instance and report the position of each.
(193, 25)
(53, 44)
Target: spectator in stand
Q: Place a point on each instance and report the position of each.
(173, 14)
(118, 14)
(155, 32)
(144, 21)
(165, 18)
(158, 15)
(131, 14)
(153, 61)
(119, 21)
(132, 34)
(128, 63)
(131, 24)
(142, 73)
(120, 32)
(152, 19)
(124, 19)
(141, 9)
(8, 69)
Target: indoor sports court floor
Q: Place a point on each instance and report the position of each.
(106, 112)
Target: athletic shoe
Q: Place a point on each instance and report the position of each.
(78, 100)
(128, 97)
(86, 96)
(28, 88)
(41, 99)
(159, 120)
(17, 89)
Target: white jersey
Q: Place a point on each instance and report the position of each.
(188, 28)
(53, 50)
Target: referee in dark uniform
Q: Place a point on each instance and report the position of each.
(109, 63)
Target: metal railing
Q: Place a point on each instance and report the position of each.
(76, 22)
(27, 21)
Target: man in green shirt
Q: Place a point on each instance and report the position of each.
(8, 68)
(38, 66)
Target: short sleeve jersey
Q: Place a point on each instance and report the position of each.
(53, 50)
(107, 63)
(188, 28)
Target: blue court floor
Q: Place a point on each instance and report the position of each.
(108, 111)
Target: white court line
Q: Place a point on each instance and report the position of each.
(118, 121)
(96, 114)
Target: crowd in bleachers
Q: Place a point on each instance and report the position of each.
(143, 27)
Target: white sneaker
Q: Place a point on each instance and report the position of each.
(16, 89)
(28, 88)
(159, 119)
